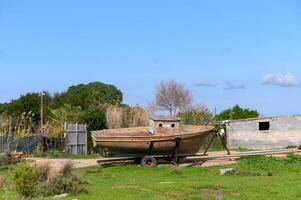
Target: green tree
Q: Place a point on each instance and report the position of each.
(237, 113)
(58, 117)
(95, 119)
(28, 103)
(95, 93)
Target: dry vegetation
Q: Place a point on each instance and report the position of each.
(20, 126)
(120, 117)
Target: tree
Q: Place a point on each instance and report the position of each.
(237, 113)
(95, 118)
(95, 93)
(80, 96)
(28, 103)
(173, 97)
(58, 117)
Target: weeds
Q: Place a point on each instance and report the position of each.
(246, 173)
(25, 179)
(32, 181)
(44, 172)
(123, 116)
(67, 169)
(66, 182)
(267, 163)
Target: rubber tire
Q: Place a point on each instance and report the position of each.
(149, 161)
(102, 152)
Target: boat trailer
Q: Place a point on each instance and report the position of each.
(151, 160)
(196, 159)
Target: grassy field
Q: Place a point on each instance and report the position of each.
(258, 178)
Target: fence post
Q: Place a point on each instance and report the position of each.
(86, 147)
(76, 136)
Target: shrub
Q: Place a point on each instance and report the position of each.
(67, 169)
(44, 172)
(66, 182)
(61, 185)
(25, 179)
(31, 181)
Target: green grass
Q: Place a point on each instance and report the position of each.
(169, 182)
(56, 154)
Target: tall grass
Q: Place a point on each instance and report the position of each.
(22, 125)
(122, 116)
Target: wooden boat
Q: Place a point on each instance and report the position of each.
(161, 138)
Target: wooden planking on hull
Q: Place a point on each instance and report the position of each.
(139, 141)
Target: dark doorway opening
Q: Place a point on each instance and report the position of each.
(264, 126)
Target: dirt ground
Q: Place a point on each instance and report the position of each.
(56, 164)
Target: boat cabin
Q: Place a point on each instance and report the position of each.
(164, 125)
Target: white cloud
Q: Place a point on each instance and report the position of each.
(281, 79)
(233, 86)
(206, 84)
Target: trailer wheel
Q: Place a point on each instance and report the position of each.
(148, 161)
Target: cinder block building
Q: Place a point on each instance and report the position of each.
(264, 133)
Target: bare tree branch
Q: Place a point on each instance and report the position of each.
(173, 97)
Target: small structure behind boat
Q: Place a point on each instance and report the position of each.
(164, 125)
(162, 137)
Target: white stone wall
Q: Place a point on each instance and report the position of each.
(284, 131)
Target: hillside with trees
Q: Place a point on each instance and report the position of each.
(83, 103)
(100, 106)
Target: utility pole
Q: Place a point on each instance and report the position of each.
(42, 112)
(40, 147)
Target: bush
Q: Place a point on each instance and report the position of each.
(66, 182)
(67, 169)
(31, 181)
(25, 179)
(61, 185)
(44, 172)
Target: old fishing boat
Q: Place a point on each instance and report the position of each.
(162, 137)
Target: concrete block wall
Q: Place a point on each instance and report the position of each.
(284, 131)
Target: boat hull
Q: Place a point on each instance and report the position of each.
(188, 143)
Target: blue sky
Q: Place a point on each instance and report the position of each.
(228, 52)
